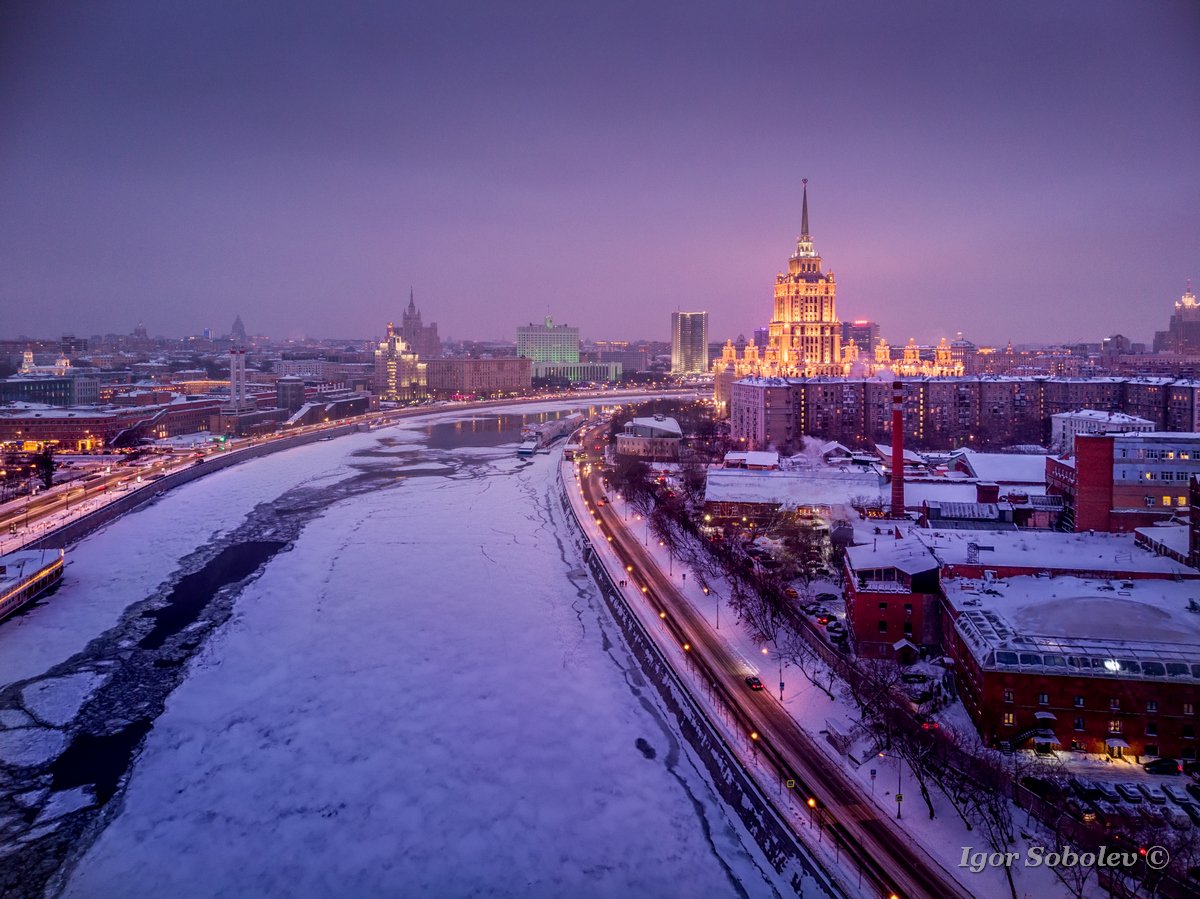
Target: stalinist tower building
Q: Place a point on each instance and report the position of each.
(805, 334)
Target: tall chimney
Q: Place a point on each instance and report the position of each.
(897, 450)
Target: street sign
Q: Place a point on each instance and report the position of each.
(873, 772)
(899, 797)
(791, 785)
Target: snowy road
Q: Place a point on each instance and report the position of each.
(359, 668)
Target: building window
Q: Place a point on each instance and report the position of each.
(883, 607)
(1189, 731)
(908, 608)
(1149, 500)
(1008, 695)
(883, 627)
(1043, 699)
(1189, 709)
(1152, 749)
(1079, 724)
(908, 629)
(1151, 705)
(1151, 729)
(1114, 705)
(1114, 726)
(1009, 719)
(1188, 752)
(1078, 702)
(1166, 501)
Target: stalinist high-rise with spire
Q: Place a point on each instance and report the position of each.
(805, 335)
(804, 338)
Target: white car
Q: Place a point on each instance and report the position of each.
(1178, 795)
(1178, 818)
(1153, 792)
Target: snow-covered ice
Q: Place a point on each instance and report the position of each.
(422, 696)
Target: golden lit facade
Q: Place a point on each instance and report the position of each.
(805, 335)
(399, 375)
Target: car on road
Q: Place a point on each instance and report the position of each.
(1153, 792)
(754, 683)
(1130, 793)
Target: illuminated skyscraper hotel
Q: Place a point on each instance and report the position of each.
(805, 334)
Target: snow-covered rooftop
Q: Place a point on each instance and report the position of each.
(1172, 536)
(1050, 551)
(1073, 625)
(908, 555)
(1098, 415)
(1007, 468)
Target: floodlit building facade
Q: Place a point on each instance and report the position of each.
(689, 343)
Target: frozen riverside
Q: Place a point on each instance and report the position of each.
(364, 667)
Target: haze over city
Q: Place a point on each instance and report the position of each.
(1020, 171)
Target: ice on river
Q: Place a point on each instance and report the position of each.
(415, 700)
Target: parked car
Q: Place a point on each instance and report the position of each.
(1154, 815)
(1177, 817)
(1192, 811)
(1176, 794)
(835, 625)
(827, 597)
(1130, 793)
(1079, 811)
(1042, 788)
(1153, 792)
(1107, 793)
(1163, 766)
(1110, 814)
(1194, 791)
(791, 593)
(1084, 788)
(810, 608)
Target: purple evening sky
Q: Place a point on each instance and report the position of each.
(1022, 170)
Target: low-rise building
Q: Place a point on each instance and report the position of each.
(657, 439)
(1065, 425)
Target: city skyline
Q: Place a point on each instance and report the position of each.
(303, 170)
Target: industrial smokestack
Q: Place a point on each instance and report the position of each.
(897, 449)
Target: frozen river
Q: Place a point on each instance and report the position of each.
(366, 667)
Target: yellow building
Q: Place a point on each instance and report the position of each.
(400, 376)
(805, 335)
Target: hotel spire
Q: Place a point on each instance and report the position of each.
(804, 235)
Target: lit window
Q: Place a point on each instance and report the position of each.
(1114, 726)
(1009, 719)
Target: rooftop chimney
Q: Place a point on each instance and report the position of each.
(897, 449)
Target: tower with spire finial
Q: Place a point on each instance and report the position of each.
(805, 334)
(421, 337)
(1183, 330)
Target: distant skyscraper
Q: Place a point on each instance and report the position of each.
(1183, 330)
(864, 333)
(689, 343)
(548, 342)
(422, 339)
(239, 400)
(399, 375)
(761, 337)
(238, 332)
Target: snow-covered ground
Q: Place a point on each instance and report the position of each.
(421, 695)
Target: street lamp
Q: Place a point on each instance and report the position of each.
(764, 652)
